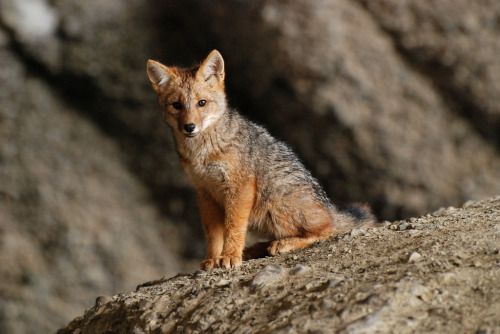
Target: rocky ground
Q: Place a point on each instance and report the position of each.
(439, 273)
(389, 102)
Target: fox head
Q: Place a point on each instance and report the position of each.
(192, 99)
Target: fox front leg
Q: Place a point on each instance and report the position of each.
(212, 216)
(237, 213)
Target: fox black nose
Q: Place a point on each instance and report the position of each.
(189, 127)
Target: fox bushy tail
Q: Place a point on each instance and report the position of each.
(361, 214)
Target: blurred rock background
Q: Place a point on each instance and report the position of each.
(392, 102)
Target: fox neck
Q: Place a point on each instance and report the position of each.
(205, 145)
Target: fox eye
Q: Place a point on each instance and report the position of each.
(202, 103)
(177, 105)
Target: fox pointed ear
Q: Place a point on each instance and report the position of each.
(212, 67)
(159, 74)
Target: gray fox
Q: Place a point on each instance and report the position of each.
(245, 179)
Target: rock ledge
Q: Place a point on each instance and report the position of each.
(437, 273)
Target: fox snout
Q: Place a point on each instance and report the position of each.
(189, 129)
(189, 122)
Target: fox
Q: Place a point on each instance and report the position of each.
(246, 180)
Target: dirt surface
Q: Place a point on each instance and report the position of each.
(439, 273)
(389, 102)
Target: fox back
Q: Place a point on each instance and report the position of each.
(245, 179)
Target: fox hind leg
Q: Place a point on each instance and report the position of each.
(286, 245)
(281, 246)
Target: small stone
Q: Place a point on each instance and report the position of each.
(448, 278)
(268, 275)
(414, 233)
(462, 255)
(414, 257)
(299, 269)
(426, 296)
(422, 292)
(204, 323)
(404, 226)
(316, 286)
(144, 303)
(101, 300)
(357, 231)
(198, 273)
(327, 304)
(469, 203)
(333, 282)
(449, 210)
(223, 282)
(477, 263)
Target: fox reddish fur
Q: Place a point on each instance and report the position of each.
(245, 179)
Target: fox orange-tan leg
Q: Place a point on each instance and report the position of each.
(319, 229)
(288, 244)
(212, 216)
(238, 207)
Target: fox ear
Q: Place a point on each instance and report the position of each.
(159, 74)
(212, 67)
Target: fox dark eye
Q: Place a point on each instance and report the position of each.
(202, 103)
(177, 105)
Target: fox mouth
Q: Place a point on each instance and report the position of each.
(191, 135)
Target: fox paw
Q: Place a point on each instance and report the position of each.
(228, 261)
(279, 247)
(207, 264)
(222, 262)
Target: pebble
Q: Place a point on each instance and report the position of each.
(223, 282)
(311, 285)
(101, 300)
(414, 233)
(144, 304)
(333, 282)
(357, 231)
(404, 226)
(415, 257)
(268, 275)
(300, 269)
(327, 304)
(422, 292)
(477, 263)
(198, 273)
(448, 278)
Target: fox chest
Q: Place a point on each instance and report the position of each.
(212, 177)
